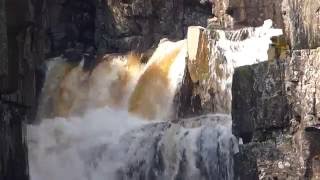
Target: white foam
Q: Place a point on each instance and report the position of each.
(91, 146)
(252, 49)
(57, 147)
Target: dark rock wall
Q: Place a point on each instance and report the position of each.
(275, 103)
(17, 90)
(77, 27)
(32, 31)
(275, 113)
(259, 101)
(69, 26)
(13, 156)
(3, 46)
(139, 24)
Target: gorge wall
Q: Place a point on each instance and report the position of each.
(274, 107)
(275, 103)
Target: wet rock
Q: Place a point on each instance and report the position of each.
(194, 148)
(275, 103)
(138, 25)
(204, 88)
(259, 101)
(300, 19)
(13, 150)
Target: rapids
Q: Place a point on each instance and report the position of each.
(113, 122)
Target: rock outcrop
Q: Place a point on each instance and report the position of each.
(235, 14)
(274, 112)
(13, 109)
(13, 150)
(302, 23)
(140, 24)
(258, 90)
(205, 88)
(300, 19)
(275, 103)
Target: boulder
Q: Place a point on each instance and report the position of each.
(204, 88)
(275, 113)
(259, 101)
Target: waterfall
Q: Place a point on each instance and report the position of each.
(113, 121)
(118, 81)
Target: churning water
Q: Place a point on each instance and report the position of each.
(110, 123)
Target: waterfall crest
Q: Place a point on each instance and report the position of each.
(112, 122)
(118, 81)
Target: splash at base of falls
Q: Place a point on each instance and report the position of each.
(95, 125)
(109, 144)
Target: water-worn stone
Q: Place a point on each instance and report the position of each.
(204, 88)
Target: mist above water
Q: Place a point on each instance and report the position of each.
(113, 122)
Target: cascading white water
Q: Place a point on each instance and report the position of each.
(234, 48)
(109, 144)
(94, 124)
(247, 46)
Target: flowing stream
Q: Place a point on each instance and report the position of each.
(113, 122)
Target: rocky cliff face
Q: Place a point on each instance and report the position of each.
(242, 13)
(140, 24)
(275, 103)
(302, 23)
(298, 18)
(13, 156)
(109, 26)
(275, 114)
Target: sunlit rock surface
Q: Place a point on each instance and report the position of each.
(300, 19)
(275, 113)
(302, 23)
(49, 28)
(270, 99)
(117, 118)
(212, 57)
